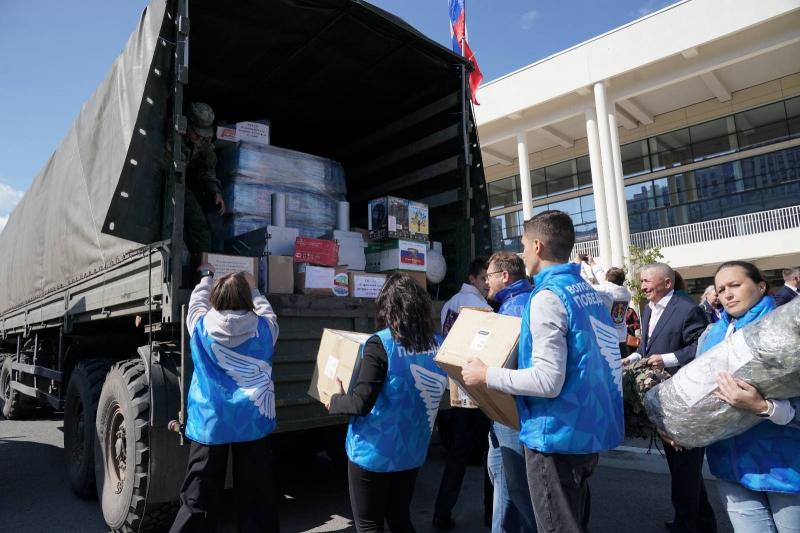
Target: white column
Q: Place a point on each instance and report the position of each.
(619, 179)
(600, 207)
(524, 175)
(601, 103)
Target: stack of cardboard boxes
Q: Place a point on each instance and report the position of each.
(398, 232)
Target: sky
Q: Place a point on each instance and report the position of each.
(53, 54)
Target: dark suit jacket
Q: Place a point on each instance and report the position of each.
(784, 295)
(677, 330)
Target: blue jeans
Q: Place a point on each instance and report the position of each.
(753, 511)
(512, 511)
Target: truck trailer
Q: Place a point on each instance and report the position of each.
(93, 262)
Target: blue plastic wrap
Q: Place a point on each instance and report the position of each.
(280, 167)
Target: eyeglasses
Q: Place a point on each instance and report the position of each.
(495, 272)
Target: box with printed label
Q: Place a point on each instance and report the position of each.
(388, 218)
(229, 264)
(339, 356)
(322, 281)
(366, 284)
(398, 254)
(320, 252)
(492, 338)
(418, 226)
(253, 132)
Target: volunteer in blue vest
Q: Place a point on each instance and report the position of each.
(231, 404)
(393, 407)
(509, 289)
(758, 471)
(569, 383)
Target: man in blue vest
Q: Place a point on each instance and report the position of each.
(510, 290)
(569, 383)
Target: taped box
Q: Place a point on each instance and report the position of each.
(320, 252)
(339, 356)
(492, 338)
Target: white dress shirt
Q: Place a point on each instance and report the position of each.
(656, 310)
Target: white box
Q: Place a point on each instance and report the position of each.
(252, 132)
(280, 240)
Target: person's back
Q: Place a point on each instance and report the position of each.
(616, 298)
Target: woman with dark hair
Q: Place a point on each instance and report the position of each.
(758, 471)
(393, 407)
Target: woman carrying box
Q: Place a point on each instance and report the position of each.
(393, 407)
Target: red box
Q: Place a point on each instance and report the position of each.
(318, 252)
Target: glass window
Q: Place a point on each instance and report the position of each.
(561, 177)
(538, 184)
(670, 149)
(793, 114)
(638, 197)
(584, 171)
(762, 125)
(570, 207)
(635, 158)
(661, 192)
(713, 138)
(504, 192)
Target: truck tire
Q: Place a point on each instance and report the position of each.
(122, 454)
(13, 404)
(80, 412)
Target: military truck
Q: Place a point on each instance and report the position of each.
(93, 262)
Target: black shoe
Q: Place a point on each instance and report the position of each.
(443, 524)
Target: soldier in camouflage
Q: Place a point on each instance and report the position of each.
(203, 189)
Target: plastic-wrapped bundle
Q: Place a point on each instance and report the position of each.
(239, 224)
(302, 207)
(280, 167)
(766, 354)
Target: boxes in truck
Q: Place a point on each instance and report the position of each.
(339, 356)
(493, 338)
(228, 264)
(278, 274)
(319, 252)
(322, 281)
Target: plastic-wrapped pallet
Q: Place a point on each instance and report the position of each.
(252, 173)
(766, 354)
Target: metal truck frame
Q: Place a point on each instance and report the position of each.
(107, 344)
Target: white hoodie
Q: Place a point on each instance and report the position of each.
(468, 296)
(229, 328)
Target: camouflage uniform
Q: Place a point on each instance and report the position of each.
(637, 379)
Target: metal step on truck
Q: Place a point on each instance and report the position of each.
(92, 261)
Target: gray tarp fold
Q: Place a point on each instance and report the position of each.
(55, 233)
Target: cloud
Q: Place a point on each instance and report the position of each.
(650, 6)
(528, 18)
(9, 197)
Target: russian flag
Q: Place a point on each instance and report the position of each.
(458, 34)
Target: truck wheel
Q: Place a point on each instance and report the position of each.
(13, 404)
(80, 411)
(122, 454)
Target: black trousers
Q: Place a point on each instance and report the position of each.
(378, 497)
(253, 484)
(468, 429)
(559, 487)
(693, 512)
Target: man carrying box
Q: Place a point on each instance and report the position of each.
(512, 512)
(569, 383)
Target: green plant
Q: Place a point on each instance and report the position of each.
(639, 257)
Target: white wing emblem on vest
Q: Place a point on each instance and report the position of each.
(431, 387)
(252, 375)
(608, 342)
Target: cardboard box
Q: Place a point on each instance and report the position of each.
(418, 226)
(228, 264)
(398, 254)
(312, 279)
(320, 252)
(279, 274)
(366, 284)
(339, 356)
(493, 338)
(372, 256)
(388, 218)
(252, 132)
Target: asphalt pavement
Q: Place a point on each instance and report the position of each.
(630, 490)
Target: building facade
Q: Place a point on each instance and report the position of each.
(680, 130)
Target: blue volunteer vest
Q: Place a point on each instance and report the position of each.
(766, 457)
(394, 436)
(586, 417)
(514, 298)
(232, 395)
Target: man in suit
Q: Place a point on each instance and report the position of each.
(791, 286)
(671, 326)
